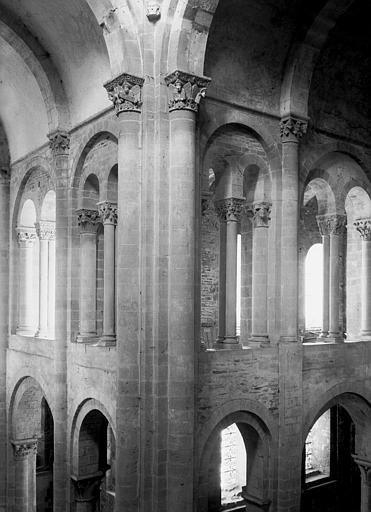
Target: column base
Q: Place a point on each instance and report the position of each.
(41, 334)
(258, 340)
(323, 334)
(228, 343)
(365, 336)
(25, 331)
(288, 339)
(107, 340)
(90, 338)
(335, 338)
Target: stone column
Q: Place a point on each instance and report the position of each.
(125, 93)
(292, 129)
(184, 94)
(88, 222)
(59, 143)
(365, 470)
(87, 492)
(336, 225)
(260, 219)
(46, 232)
(229, 211)
(24, 451)
(324, 229)
(26, 310)
(108, 215)
(363, 226)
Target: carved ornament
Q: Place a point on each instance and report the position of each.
(230, 209)
(363, 226)
(292, 129)
(185, 91)
(331, 224)
(24, 447)
(153, 11)
(261, 214)
(87, 220)
(59, 143)
(26, 236)
(364, 467)
(45, 229)
(87, 487)
(125, 92)
(108, 212)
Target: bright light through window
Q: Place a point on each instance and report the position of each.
(317, 449)
(314, 287)
(233, 466)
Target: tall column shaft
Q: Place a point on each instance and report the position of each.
(125, 93)
(108, 213)
(25, 474)
(365, 470)
(59, 147)
(363, 226)
(292, 130)
(4, 325)
(222, 280)
(45, 232)
(87, 220)
(326, 286)
(185, 92)
(26, 317)
(229, 211)
(261, 217)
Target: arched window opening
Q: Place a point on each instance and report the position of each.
(314, 288)
(331, 478)
(27, 271)
(44, 461)
(233, 465)
(318, 449)
(95, 481)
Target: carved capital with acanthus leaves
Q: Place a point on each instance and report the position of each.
(125, 92)
(45, 229)
(261, 214)
(185, 91)
(59, 143)
(292, 129)
(22, 448)
(87, 220)
(230, 209)
(26, 236)
(363, 226)
(108, 212)
(331, 224)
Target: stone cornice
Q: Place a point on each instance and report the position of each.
(125, 92)
(22, 448)
(261, 214)
(331, 224)
(108, 212)
(87, 220)
(26, 236)
(185, 91)
(59, 143)
(45, 229)
(230, 209)
(363, 226)
(292, 129)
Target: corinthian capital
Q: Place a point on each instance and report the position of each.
(230, 209)
(261, 214)
(125, 92)
(185, 91)
(363, 226)
(292, 129)
(331, 224)
(26, 236)
(24, 447)
(87, 220)
(45, 229)
(59, 143)
(108, 212)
